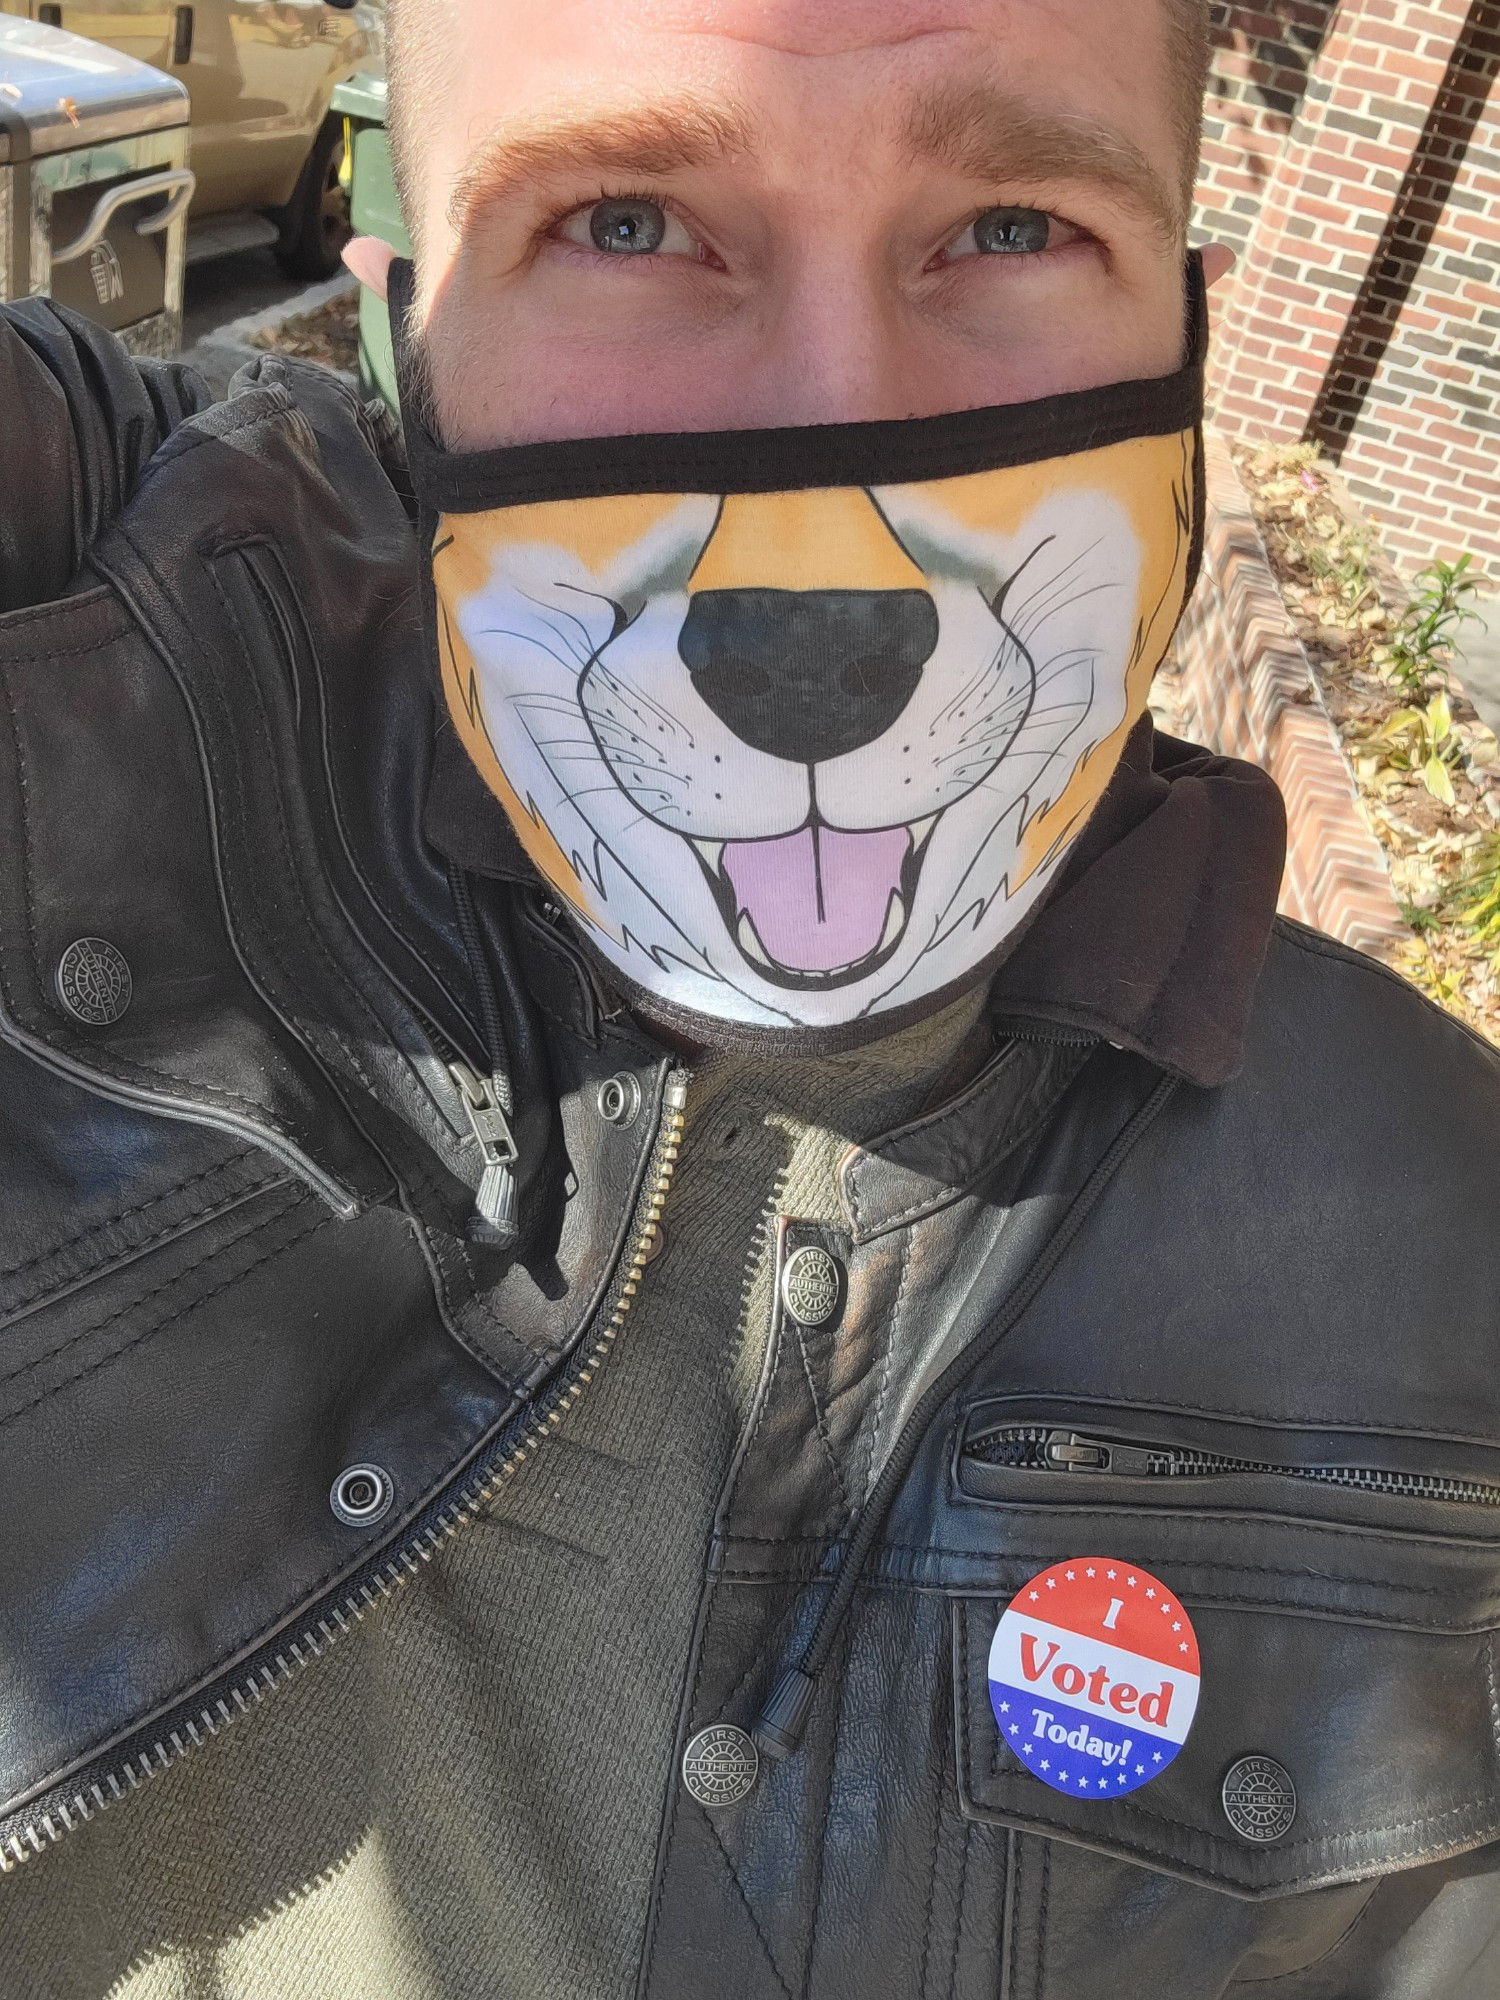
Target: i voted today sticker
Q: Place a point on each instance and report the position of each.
(1094, 1676)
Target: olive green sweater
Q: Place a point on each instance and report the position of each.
(460, 1800)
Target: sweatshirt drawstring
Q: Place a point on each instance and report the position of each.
(779, 1730)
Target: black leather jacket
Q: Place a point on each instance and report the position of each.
(235, 1260)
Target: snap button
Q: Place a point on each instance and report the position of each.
(812, 1285)
(1260, 1800)
(361, 1495)
(620, 1100)
(93, 982)
(720, 1765)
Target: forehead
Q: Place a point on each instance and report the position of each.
(796, 73)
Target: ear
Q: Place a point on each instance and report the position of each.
(370, 260)
(1218, 261)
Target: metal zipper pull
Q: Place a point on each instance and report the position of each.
(1068, 1451)
(495, 1198)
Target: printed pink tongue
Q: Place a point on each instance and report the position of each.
(818, 899)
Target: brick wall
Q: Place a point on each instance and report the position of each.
(1353, 155)
(1262, 56)
(1411, 407)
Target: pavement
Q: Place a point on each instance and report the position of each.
(227, 288)
(227, 299)
(1479, 663)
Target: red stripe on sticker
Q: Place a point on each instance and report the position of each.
(1102, 1598)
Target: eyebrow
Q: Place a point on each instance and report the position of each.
(651, 141)
(990, 135)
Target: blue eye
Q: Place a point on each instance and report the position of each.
(1010, 232)
(631, 228)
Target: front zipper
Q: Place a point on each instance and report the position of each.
(1050, 1034)
(1043, 1448)
(39, 1826)
(495, 1198)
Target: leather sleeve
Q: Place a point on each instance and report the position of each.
(79, 419)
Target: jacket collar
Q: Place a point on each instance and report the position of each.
(1156, 932)
(218, 794)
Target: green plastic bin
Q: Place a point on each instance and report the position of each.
(375, 211)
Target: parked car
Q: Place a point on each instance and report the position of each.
(260, 74)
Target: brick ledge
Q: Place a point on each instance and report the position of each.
(1246, 689)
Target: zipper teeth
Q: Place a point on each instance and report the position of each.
(1418, 1485)
(1052, 1034)
(1023, 1448)
(406, 1563)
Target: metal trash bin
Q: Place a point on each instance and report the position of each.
(375, 211)
(94, 183)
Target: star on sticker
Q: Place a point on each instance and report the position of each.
(1102, 1783)
(1088, 1572)
(1083, 1780)
(1120, 1776)
(1165, 1608)
(1176, 1624)
(1140, 1770)
(1052, 1583)
(1005, 1708)
(1182, 1645)
(1063, 1777)
(1046, 1763)
(1070, 1576)
(1110, 1574)
(1028, 1748)
(1034, 1595)
(1131, 1581)
(1015, 1729)
(1152, 1593)
(1156, 1757)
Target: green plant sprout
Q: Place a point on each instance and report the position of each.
(1476, 898)
(1422, 650)
(1423, 740)
(1342, 562)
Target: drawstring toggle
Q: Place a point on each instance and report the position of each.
(778, 1733)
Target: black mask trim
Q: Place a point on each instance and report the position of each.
(891, 452)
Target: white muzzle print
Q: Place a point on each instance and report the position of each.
(795, 759)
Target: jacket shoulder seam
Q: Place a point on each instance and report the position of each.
(1316, 944)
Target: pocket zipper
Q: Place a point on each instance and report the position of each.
(1040, 1448)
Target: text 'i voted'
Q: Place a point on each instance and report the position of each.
(1094, 1676)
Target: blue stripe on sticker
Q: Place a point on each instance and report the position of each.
(1094, 1677)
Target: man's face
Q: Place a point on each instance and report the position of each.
(642, 215)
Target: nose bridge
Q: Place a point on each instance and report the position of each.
(829, 538)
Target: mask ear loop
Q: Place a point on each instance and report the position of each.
(1197, 345)
(1196, 308)
(413, 381)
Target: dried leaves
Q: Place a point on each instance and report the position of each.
(330, 334)
(1426, 768)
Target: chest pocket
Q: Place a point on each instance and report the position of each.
(1343, 1590)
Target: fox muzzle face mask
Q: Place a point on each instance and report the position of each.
(800, 724)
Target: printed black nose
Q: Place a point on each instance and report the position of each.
(808, 674)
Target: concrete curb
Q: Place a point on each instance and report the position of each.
(219, 354)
